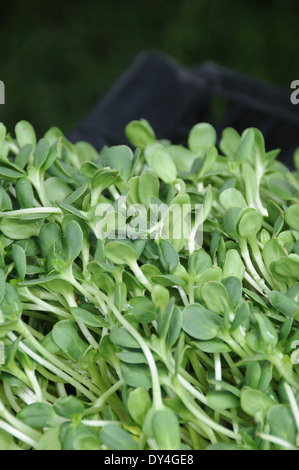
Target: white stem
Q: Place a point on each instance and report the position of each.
(18, 434)
(293, 403)
(33, 210)
(218, 370)
(276, 440)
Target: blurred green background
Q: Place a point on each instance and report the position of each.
(58, 58)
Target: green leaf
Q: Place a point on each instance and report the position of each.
(50, 233)
(25, 134)
(115, 438)
(85, 151)
(160, 297)
(148, 187)
(10, 173)
(139, 402)
(222, 400)
(74, 240)
(286, 267)
(182, 157)
(120, 252)
(166, 430)
(163, 165)
(201, 137)
(200, 323)
(37, 415)
(66, 337)
(211, 274)
(68, 209)
(56, 189)
(253, 374)
(119, 157)
(77, 194)
(11, 306)
(215, 297)
(174, 328)
(72, 433)
(24, 193)
(255, 403)
(50, 440)
(69, 407)
(143, 309)
(132, 357)
(136, 375)
(19, 259)
(250, 223)
(282, 188)
(242, 314)
(168, 280)
(209, 161)
(230, 221)
(233, 286)
(140, 133)
(122, 338)
(84, 316)
(282, 423)
(22, 157)
(284, 304)
(19, 229)
(41, 153)
(292, 216)
(246, 146)
(233, 265)
(199, 262)
(212, 346)
(5, 201)
(272, 251)
(267, 330)
(230, 141)
(102, 280)
(103, 178)
(168, 255)
(231, 197)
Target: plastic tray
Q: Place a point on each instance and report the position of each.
(173, 98)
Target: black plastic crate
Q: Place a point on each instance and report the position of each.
(173, 99)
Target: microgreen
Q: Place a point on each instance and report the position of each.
(121, 328)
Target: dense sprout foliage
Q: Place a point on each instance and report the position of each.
(148, 342)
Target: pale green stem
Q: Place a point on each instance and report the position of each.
(140, 276)
(251, 268)
(86, 333)
(259, 260)
(183, 295)
(293, 403)
(100, 402)
(10, 397)
(33, 210)
(98, 423)
(276, 440)
(72, 378)
(157, 397)
(18, 434)
(218, 369)
(18, 424)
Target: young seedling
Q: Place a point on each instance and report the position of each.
(124, 336)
